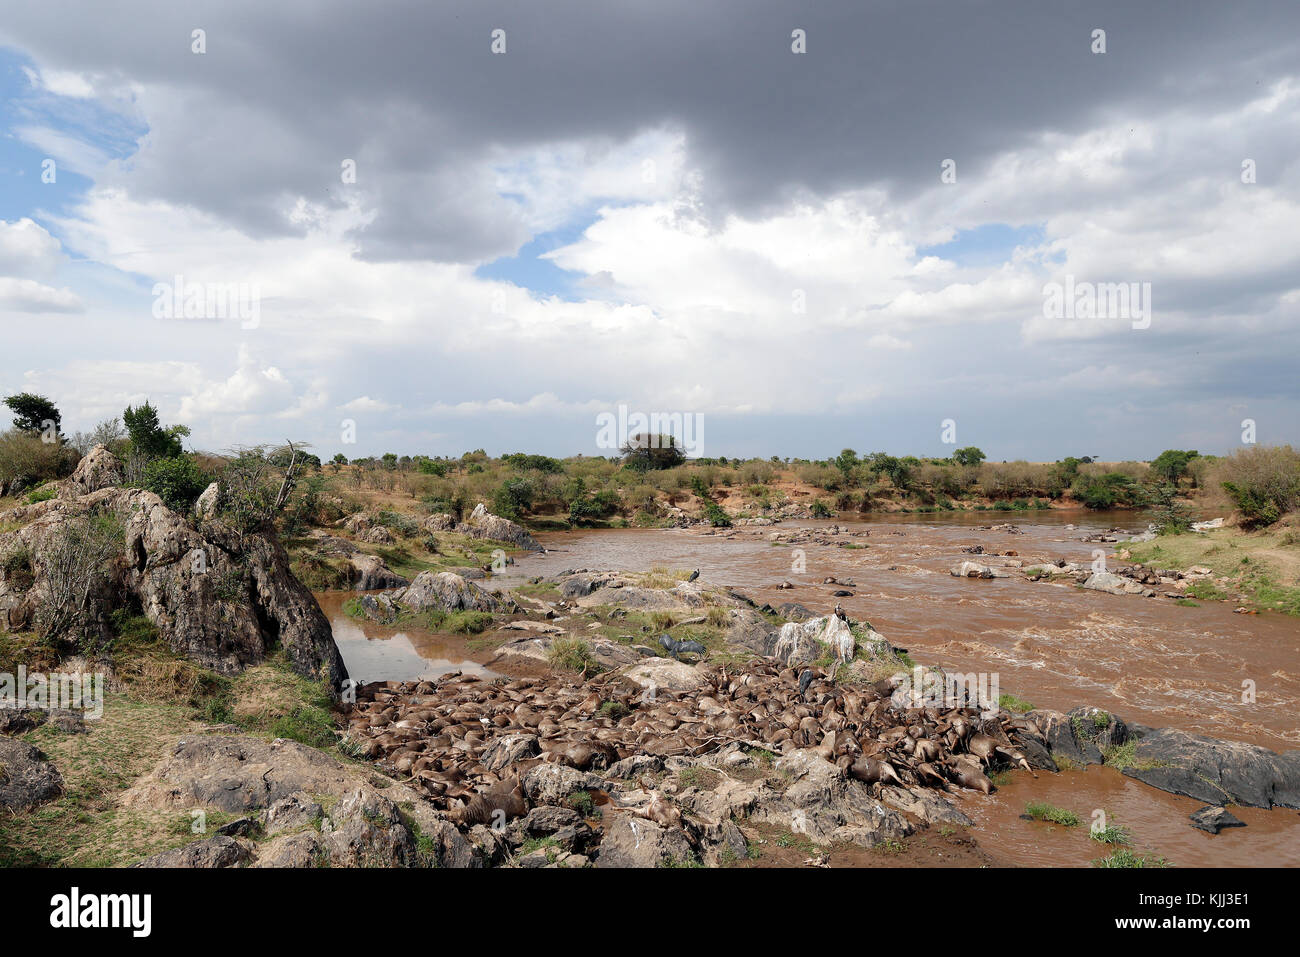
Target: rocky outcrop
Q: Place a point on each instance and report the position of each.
(653, 674)
(369, 573)
(483, 524)
(1082, 736)
(1115, 585)
(581, 585)
(608, 654)
(623, 593)
(976, 570)
(282, 789)
(219, 851)
(449, 592)
(220, 598)
(99, 468)
(630, 841)
(27, 778)
(206, 505)
(802, 642)
(1216, 772)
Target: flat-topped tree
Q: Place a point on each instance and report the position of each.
(644, 452)
(34, 414)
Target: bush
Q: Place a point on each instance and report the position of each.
(177, 481)
(512, 498)
(247, 498)
(75, 562)
(1262, 481)
(716, 515)
(1108, 490)
(42, 494)
(26, 461)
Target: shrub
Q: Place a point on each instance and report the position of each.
(716, 515)
(1262, 481)
(148, 437)
(42, 494)
(1108, 490)
(177, 481)
(247, 498)
(512, 498)
(75, 563)
(25, 460)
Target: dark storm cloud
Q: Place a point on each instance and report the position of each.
(410, 90)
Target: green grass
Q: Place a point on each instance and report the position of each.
(1121, 756)
(42, 494)
(1207, 591)
(1010, 702)
(614, 710)
(436, 619)
(1041, 811)
(1126, 857)
(1233, 554)
(1110, 834)
(548, 591)
(572, 654)
(1266, 593)
(583, 803)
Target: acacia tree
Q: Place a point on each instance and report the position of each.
(247, 495)
(968, 456)
(34, 414)
(1171, 464)
(645, 452)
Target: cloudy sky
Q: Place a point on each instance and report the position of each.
(660, 205)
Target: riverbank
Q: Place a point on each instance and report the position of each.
(736, 689)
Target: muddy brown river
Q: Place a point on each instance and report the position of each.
(1055, 645)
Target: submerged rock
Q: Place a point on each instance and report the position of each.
(976, 570)
(1115, 585)
(1213, 819)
